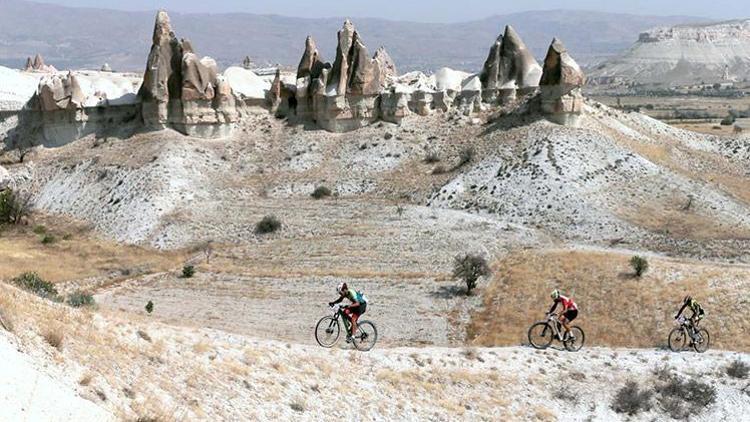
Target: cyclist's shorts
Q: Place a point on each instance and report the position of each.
(571, 314)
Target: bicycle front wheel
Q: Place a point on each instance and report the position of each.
(677, 340)
(327, 331)
(575, 339)
(702, 340)
(540, 335)
(367, 335)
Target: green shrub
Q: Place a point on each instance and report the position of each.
(738, 369)
(321, 192)
(630, 399)
(13, 207)
(48, 239)
(39, 229)
(150, 306)
(80, 299)
(728, 121)
(469, 268)
(31, 282)
(188, 271)
(268, 224)
(639, 264)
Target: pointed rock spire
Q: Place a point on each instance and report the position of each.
(312, 62)
(387, 66)
(561, 69)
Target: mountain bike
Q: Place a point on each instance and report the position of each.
(542, 333)
(679, 336)
(328, 330)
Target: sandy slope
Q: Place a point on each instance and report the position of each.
(29, 393)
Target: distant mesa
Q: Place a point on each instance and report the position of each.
(682, 55)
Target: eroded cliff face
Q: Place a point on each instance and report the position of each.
(683, 55)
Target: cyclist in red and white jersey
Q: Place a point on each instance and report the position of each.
(569, 311)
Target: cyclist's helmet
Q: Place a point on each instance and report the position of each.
(341, 288)
(687, 299)
(555, 294)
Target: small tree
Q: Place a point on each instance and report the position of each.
(150, 307)
(35, 284)
(469, 268)
(639, 264)
(465, 157)
(13, 206)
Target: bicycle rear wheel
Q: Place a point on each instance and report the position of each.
(574, 343)
(702, 340)
(367, 335)
(540, 335)
(677, 339)
(327, 331)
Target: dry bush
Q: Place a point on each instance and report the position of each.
(432, 158)
(681, 399)
(630, 399)
(55, 339)
(321, 192)
(268, 224)
(738, 369)
(85, 380)
(298, 405)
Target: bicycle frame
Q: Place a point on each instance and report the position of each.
(554, 322)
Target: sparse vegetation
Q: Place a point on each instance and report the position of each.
(738, 369)
(268, 224)
(150, 307)
(39, 229)
(728, 121)
(48, 239)
(80, 299)
(639, 264)
(399, 210)
(33, 283)
(188, 271)
(54, 338)
(465, 156)
(470, 268)
(680, 399)
(631, 400)
(439, 169)
(321, 192)
(432, 157)
(13, 206)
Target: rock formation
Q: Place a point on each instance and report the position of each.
(342, 96)
(37, 64)
(181, 91)
(60, 92)
(562, 79)
(247, 63)
(510, 68)
(387, 66)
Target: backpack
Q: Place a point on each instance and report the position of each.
(361, 298)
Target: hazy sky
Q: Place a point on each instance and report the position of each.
(427, 10)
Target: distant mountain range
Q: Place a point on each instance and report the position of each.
(86, 38)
